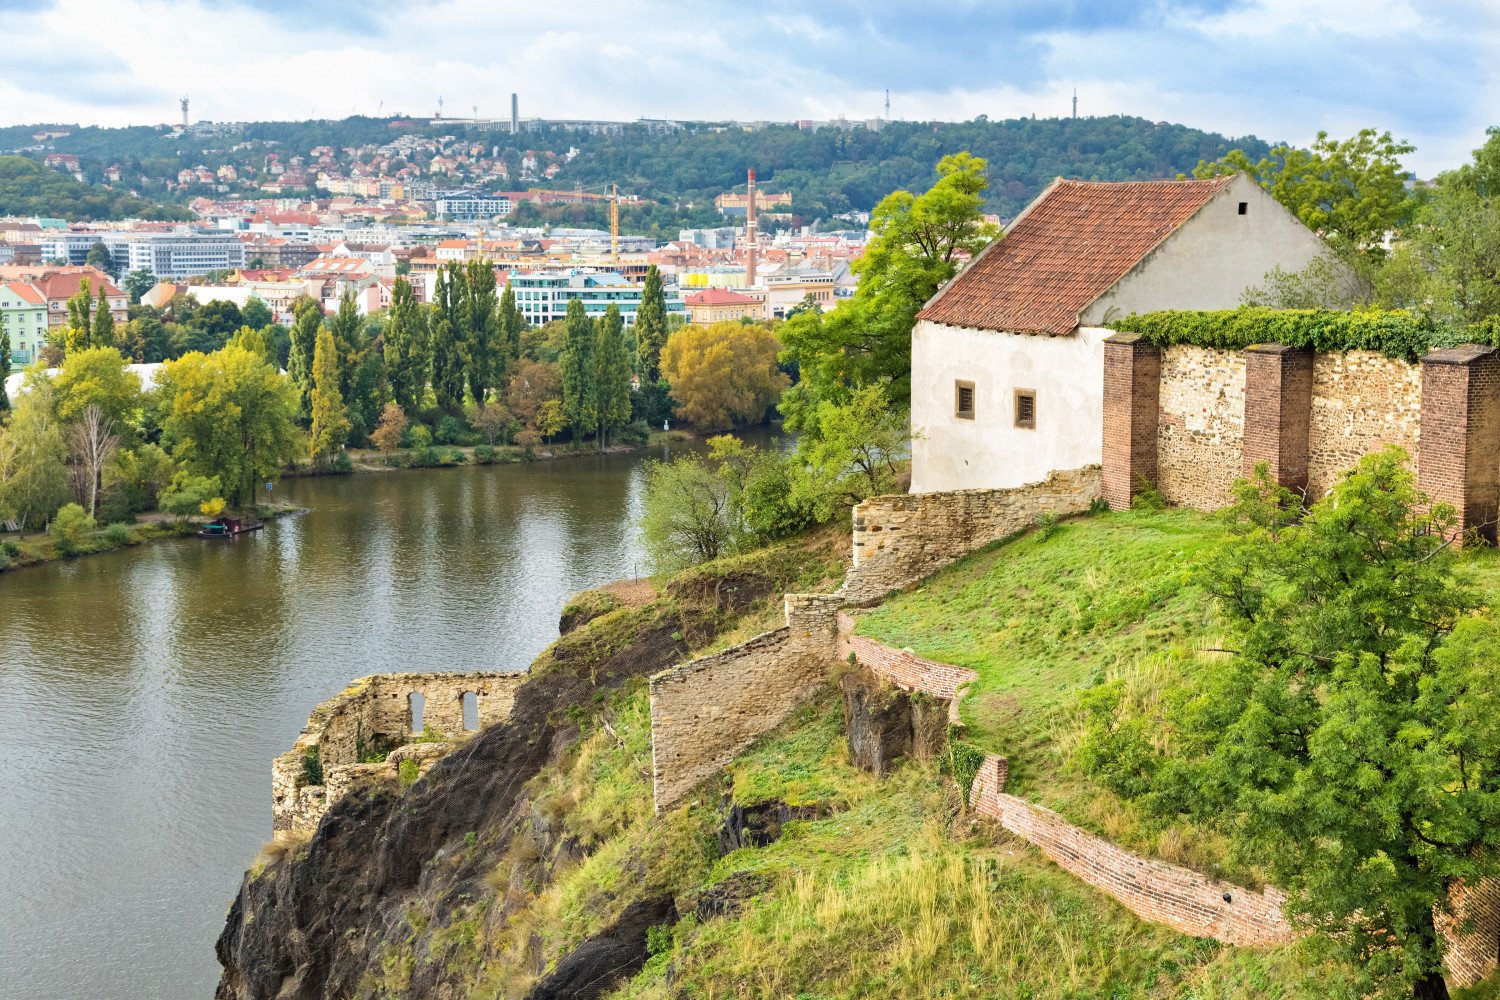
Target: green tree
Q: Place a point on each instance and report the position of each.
(256, 313)
(307, 319)
(4, 368)
(853, 453)
(80, 317)
(650, 326)
(510, 323)
(138, 283)
(69, 525)
(212, 324)
(611, 373)
(97, 376)
(231, 415)
(330, 424)
(33, 476)
(723, 375)
(918, 243)
(1350, 747)
(100, 257)
(103, 334)
(688, 513)
(447, 355)
(485, 361)
(580, 388)
(407, 355)
(1350, 189)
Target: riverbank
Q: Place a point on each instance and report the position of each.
(40, 548)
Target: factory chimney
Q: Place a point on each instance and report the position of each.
(750, 229)
(515, 115)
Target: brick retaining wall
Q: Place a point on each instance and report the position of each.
(901, 667)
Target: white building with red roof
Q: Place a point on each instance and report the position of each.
(1008, 357)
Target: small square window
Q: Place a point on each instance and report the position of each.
(963, 400)
(1026, 408)
(1244, 207)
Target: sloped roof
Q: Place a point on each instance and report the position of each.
(1065, 250)
(720, 297)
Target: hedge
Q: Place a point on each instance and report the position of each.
(1397, 333)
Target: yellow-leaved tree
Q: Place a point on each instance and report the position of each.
(723, 375)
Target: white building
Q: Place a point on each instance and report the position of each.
(185, 253)
(1008, 357)
(465, 205)
(543, 296)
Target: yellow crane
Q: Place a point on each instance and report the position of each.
(614, 223)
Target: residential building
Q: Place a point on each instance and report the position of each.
(1008, 357)
(543, 296)
(57, 285)
(468, 206)
(23, 316)
(185, 253)
(717, 305)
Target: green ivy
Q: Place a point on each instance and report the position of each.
(1395, 333)
(964, 761)
(312, 766)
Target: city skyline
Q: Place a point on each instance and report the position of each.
(1275, 68)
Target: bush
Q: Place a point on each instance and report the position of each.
(118, 534)
(450, 430)
(341, 463)
(312, 766)
(485, 454)
(68, 527)
(188, 493)
(419, 436)
(1395, 333)
(635, 433)
(408, 771)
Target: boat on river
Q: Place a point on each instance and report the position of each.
(227, 527)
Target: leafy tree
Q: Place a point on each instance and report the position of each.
(485, 357)
(229, 414)
(1448, 264)
(80, 317)
(4, 369)
(103, 334)
(1482, 174)
(1350, 747)
(723, 375)
(853, 453)
(533, 384)
(307, 319)
(69, 525)
(256, 313)
(97, 376)
(100, 257)
(688, 515)
(650, 326)
(447, 355)
(186, 494)
(918, 243)
(406, 350)
(392, 427)
(580, 388)
(1353, 189)
(511, 322)
(33, 477)
(256, 342)
(212, 324)
(330, 424)
(493, 422)
(138, 283)
(611, 373)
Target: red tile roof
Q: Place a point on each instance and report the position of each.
(1069, 247)
(63, 283)
(720, 297)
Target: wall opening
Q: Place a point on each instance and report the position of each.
(471, 711)
(963, 400)
(416, 704)
(1026, 408)
(1244, 207)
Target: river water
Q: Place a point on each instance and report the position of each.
(145, 692)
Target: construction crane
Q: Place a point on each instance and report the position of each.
(614, 223)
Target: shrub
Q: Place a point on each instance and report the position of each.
(188, 493)
(341, 463)
(419, 436)
(635, 433)
(312, 766)
(1394, 333)
(450, 430)
(485, 454)
(68, 527)
(408, 771)
(118, 533)
(392, 427)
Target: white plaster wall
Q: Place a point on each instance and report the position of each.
(989, 452)
(1213, 258)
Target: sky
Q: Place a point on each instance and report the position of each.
(1279, 69)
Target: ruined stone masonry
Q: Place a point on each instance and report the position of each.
(375, 712)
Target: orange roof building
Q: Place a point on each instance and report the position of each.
(1008, 357)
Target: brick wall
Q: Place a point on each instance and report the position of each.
(899, 540)
(901, 667)
(1132, 380)
(1181, 898)
(1200, 425)
(371, 711)
(704, 712)
(1278, 413)
(1471, 934)
(1458, 464)
(1361, 402)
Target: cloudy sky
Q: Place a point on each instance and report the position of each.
(1281, 69)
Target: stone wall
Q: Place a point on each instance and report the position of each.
(1471, 932)
(373, 712)
(704, 712)
(899, 540)
(1201, 425)
(1181, 898)
(901, 667)
(1361, 402)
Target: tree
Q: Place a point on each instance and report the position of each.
(407, 354)
(1350, 189)
(138, 283)
(103, 334)
(493, 421)
(650, 326)
(688, 515)
(532, 384)
(580, 390)
(93, 443)
(1350, 746)
(69, 525)
(307, 319)
(330, 424)
(212, 324)
(447, 356)
(1446, 267)
(387, 434)
(611, 373)
(80, 318)
(187, 494)
(854, 451)
(510, 322)
(486, 360)
(4, 369)
(231, 415)
(33, 476)
(918, 243)
(97, 376)
(723, 375)
(100, 257)
(256, 313)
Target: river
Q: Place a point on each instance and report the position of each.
(146, 691)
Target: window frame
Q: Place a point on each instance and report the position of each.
(1016, 420)
(959, 385)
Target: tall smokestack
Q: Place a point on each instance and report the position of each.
(750, 229)
(515, 115)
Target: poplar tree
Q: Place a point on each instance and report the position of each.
(651, 327)
(612, 373)
(579, 385)
(347, 327)
(485, 367)
(406, 349)
(104, 324)
(308, 315)
(447, 359)
(80, 319)
(510, 322)
(4, 368)
(330, 422)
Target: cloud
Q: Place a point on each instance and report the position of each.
(1282, 69)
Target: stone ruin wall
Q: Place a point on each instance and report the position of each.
(899, 540)
(901, 667)
(1361, 402)
(1201, 425)
(375, 711)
